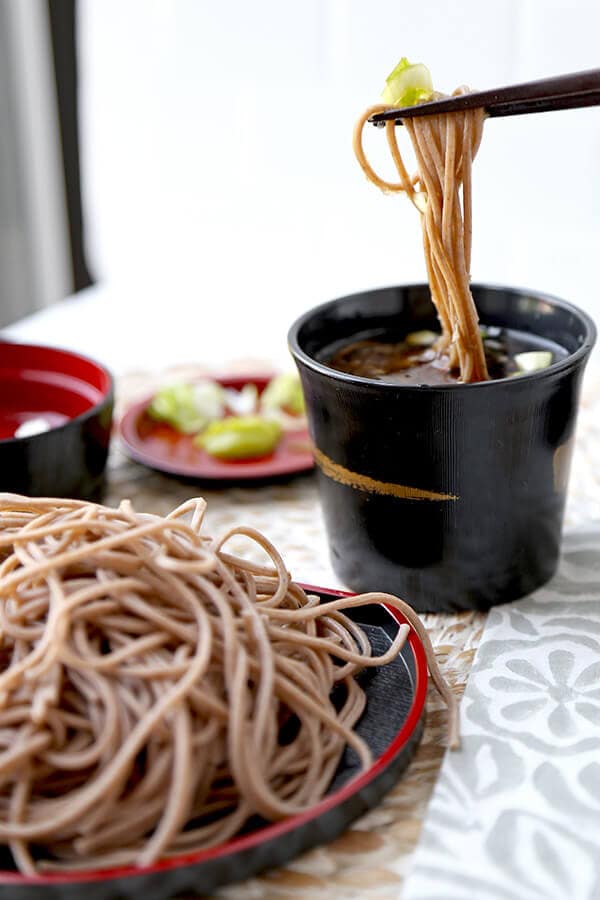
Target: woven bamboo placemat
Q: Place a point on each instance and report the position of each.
(372, 858)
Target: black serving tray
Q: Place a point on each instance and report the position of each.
(392, 726)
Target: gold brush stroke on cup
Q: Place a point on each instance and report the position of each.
(365, 483)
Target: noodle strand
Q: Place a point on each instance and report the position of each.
(157, 691)
(445, 147)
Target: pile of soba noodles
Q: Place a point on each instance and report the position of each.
(445, 147)
(156, 691)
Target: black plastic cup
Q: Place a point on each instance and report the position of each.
(451, 496)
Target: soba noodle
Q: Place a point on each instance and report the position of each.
(157, 691)
(445, 146)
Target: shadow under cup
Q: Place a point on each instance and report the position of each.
(450, 496)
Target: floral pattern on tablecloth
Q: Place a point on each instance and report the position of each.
(515, 813)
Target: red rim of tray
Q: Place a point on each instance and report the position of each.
(154, 448)
(277, 829)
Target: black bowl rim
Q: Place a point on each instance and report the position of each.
(274, 829)
(570, 361)
(107, 396)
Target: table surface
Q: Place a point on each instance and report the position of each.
(373, 857)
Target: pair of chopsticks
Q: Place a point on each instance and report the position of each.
(572, 91)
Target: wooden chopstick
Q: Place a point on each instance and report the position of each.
(571, 91)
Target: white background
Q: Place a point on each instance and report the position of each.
(221, 194)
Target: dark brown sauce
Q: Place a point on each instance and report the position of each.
(393, 362)
(401, 362)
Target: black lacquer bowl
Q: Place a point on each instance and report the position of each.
(72, 397)
(391, 725)
(451, 496)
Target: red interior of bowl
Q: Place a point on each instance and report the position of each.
(41, 382)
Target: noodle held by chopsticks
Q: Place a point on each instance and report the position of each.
(156, 691)
(445, 146)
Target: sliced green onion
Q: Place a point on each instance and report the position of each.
(240, 437)
(408, 84)
(188, 407)
(421, 338)
(283, 392)
(490, 331)
(533, 360)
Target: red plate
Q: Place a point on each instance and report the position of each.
(161, 447)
